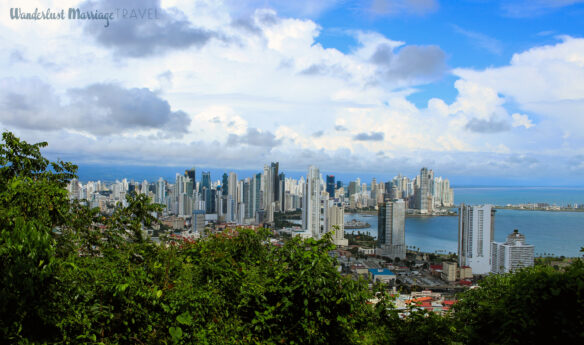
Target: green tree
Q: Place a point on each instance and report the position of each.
(533, 305)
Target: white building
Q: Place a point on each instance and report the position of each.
(476, 230)
(511, 255)
(391, 229)
(334, 217)
(311, 203)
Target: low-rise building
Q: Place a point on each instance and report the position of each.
(381, 274)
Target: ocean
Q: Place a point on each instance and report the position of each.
(552, 233)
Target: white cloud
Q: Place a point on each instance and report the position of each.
(271, 92)
(521, 120)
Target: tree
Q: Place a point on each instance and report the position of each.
(532, 305)
(33, 204)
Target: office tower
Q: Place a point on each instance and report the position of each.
(391, 234)
(160, 192)
(198, 221)
(330, 185)
(232, 185)
(246, 197)
(189, 186)
(239, 196)
(191, 173)
(241, 212)
(511, 255)
(144, 187)
(210, 202)
(230, 215)
(224, 184)
(256, 194)
(205, 181)
(424, 191)
(374, 191)
(275, 182)
(311, 203)
(339, 184)
(476, 230)
(353, 188)
(268, 193)
(282, 192)
(334, 217)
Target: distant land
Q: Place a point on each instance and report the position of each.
(103, 172)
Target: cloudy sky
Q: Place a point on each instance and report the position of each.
(477, 90)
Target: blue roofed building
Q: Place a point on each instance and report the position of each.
(382, 274)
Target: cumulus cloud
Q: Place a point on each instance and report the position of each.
(414, 64)
(98, 109)
(487, 126)
(280, 95)
(520, 120)
(373, 136)
(165, 30)
(254, 137)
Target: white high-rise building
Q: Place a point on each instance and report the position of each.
(311, 203)
(160, 192)
(268, 193)
(391, 231)
(334, 217)
(476, 230)
(511, 255)
(144, 187)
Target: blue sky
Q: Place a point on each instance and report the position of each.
(484, 92)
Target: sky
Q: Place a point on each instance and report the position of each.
(482, 92)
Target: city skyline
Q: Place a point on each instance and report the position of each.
(488, 93)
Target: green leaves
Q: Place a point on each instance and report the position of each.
(176, 333)
(185, 319)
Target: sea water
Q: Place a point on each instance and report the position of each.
(552, 233)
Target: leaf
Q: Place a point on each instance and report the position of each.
(185, 318)
(176, 333)
(158, 293)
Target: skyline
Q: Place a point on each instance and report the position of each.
(484, 93)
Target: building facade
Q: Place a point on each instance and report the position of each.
(391, 238)
(476, 230)
(311, 203)
(511, 255)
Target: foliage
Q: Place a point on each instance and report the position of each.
(533, 305)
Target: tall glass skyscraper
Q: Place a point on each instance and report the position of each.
(330, 185)
(391, 237)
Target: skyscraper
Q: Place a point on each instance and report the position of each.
(391, 237)
(205, 181)
(232, 185)
(424, 191)
(224, 184)
(268, 193)
(282, 192)
(330, 185)
(256, 194)
(476, 230)
(334, 217)
(311, 203)
(511, 255)
(160, 191)
(275, 181)
(191, 173)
